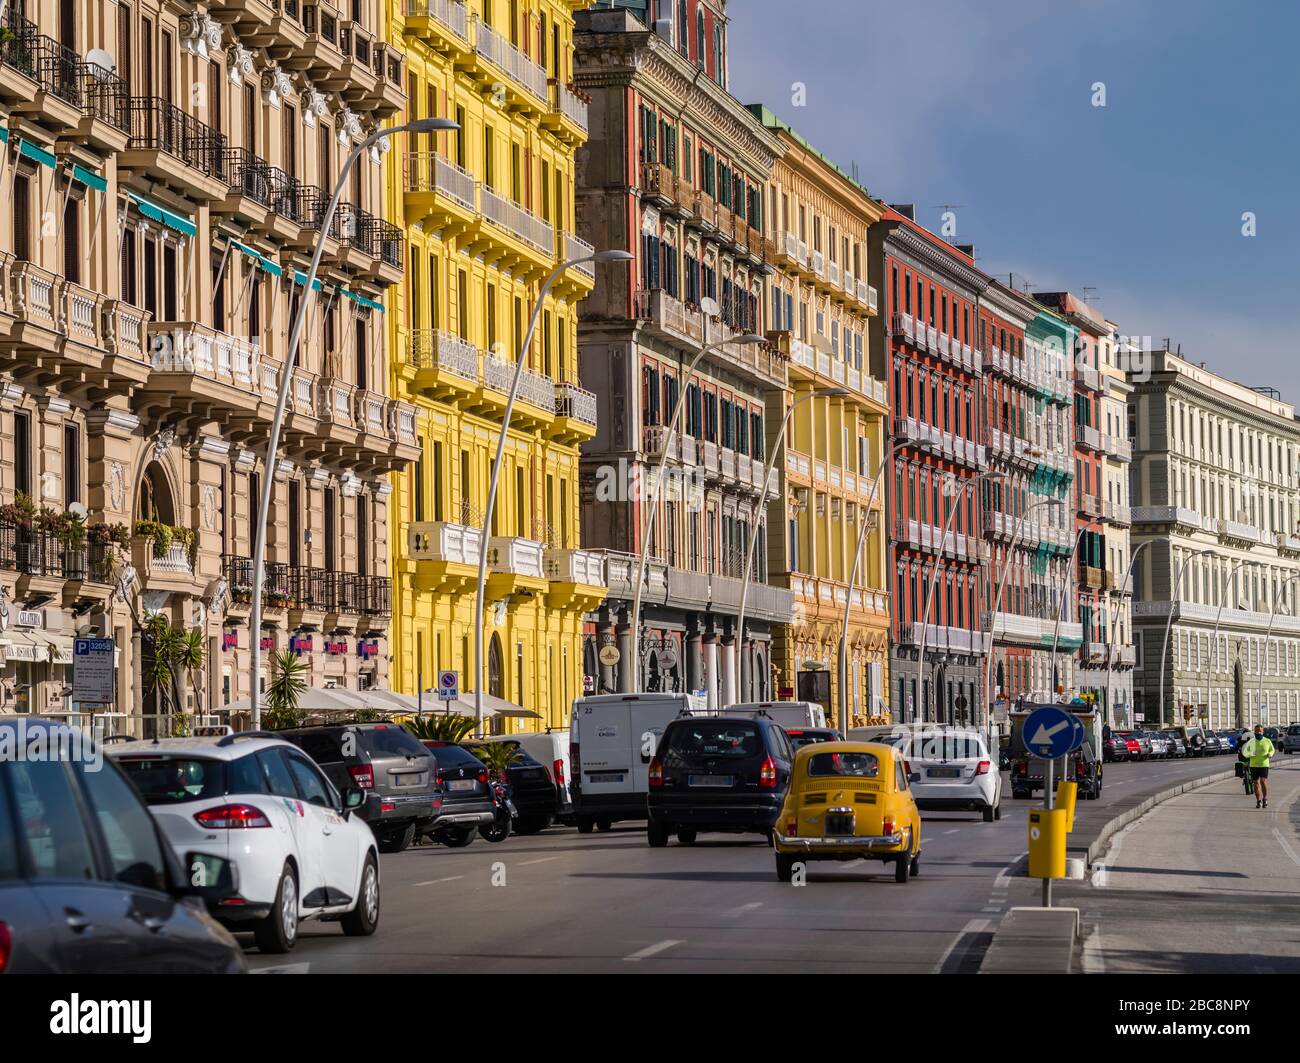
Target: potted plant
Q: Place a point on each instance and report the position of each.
(155, 532)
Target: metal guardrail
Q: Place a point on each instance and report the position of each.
(159, 125)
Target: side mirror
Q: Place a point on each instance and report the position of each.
(353, 797)
(914, 777)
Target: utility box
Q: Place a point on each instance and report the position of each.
(1047, 830)
(1066, 793)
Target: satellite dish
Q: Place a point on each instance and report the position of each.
(709, 306)
(100, 61)
(78, 510)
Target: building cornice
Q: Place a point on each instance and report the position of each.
(1009, 305)
(924, 255)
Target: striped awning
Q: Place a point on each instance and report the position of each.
(257, 256)
(36, 153)
(363, 300)
(89, 178)
(300, 279)
(163, 216)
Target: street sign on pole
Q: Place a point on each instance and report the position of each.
(93, 678)
(448, 686)
(1051, 732)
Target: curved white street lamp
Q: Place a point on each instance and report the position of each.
(551, 278)
(1114, 627)
(421, 125)
(773, 465)
(653, 507)
(925, 446)
(997, 601)
(1173, 590)
(1060, 608)
(1218, 615)
(1268, 635)
(962, 485)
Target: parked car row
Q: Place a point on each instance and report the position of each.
(1168, 743)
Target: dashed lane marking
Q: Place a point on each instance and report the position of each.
(435, 881)
(975, 926)
(539, 860)
(652, 950)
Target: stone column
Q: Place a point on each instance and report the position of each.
(626, 647)
(694, 660)
(711, 670)
(608, 672)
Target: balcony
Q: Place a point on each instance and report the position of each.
(106, 110)
(389, 94)
(1235, 531)
(168, 145)
(1094, 579)
(575, 414)
(515, 565)
(567, 117)
(41, 554)
(792, 250)
(55, 70)
(526, 89)
(1090, 506)
(577, 579)
(1287, 544)
(1118, 448)
(439, 194)
(577, 281)
(212, 373)
(518, 221)
(1088, 438)
(163, 569)
(1116, 513)
(868, 296)
(322, 51)
(445, 555)
(443, 24)
(535, 398)
(446, 365)
(357, 79)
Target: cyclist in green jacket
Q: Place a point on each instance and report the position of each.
(1258, 752)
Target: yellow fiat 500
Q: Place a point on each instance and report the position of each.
(848, 801)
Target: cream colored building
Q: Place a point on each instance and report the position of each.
(166, 166)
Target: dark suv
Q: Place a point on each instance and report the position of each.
(466, 795)
(531, 790)
(385, 761)
(717, 774)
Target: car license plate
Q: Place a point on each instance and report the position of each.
(839, 826)
(461, 784)
(945, 773)
(710, 780)
(605, 776)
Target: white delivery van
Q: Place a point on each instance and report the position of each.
(782, 713)
(551, 749)
(612, 738)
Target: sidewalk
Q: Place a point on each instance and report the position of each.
(1203, 883)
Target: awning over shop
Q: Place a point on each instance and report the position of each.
(19, 646)
(89, 178)
(163, 216)
(300, 279)
(266, 264)
(59, 647)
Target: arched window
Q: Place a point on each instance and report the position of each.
(699, 36)
(154, 501)
(496, 685)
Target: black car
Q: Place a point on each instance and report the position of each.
(388, 764)
(88, 885)
(714, 773)
(466, 795)
(531, 790)
(806, 736)
(1114, 747)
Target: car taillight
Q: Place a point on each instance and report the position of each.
(232, 817)
(559, 772)
(1078, 767)
(575, 762)
(982, 768)
(792, 828)
(6, 945)
(656, 773)
(887, 828)
(767, 775)
(483, 776)
(363, 775)
(1022, 768)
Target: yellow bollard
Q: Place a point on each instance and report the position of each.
(1047, 829)
(1066, 793)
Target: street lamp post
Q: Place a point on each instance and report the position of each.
(997, 602)
(1169, 624)
(653, 501)
(1114, 627)
(1060, 606)
(551, 278)
(825, 393)
(1268, 635)
(422, 125)
(1218, 615)
(853, 573)
(974, 481)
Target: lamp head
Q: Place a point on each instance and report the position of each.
(428, 125)
(612, 256)
(751, 337)
(831, 393)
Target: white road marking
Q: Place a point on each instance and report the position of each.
(735, 913)
(955, 830)
(1286, 846)
(652, 950)
(975, 926)
(435, 881)
(1003, 881)
(539, 860)
(1094, 960)
(285, 968)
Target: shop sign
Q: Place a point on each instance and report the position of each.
(300, 644)
(230, 640)
(336, 647)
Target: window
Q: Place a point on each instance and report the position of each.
(314, 789)
(278, 780)
(58, 846)
(23, 453)
(22, 217)
(128, 830)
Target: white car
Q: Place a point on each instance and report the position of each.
(262, 831)
(952, 770)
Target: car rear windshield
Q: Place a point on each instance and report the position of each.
(799, 739)
(864, 765)
(454, 757)
(392, 741)
(946, 746)
(704, 739)
(174, 780)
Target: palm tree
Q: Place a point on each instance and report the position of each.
(174, 651)
(287, 686)
(452, 728)
(497, 757)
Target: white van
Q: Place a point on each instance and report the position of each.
(785, 714)
(612, 739)
(551, 749)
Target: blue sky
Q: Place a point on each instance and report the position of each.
(988, 106)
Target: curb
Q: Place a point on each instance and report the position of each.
(1121, 821)
(1033, 941)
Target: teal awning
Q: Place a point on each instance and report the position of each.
(4, 134)
(36, 154)
(89, 178)
(370, 304)
(300, 278)
(266, 264)
(164, 216)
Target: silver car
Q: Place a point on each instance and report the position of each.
(1160, 745)
(1291, 739)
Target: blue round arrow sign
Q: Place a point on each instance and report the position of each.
(1051, 732)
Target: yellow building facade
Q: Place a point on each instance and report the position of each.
(820, 308)
(488, 215)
